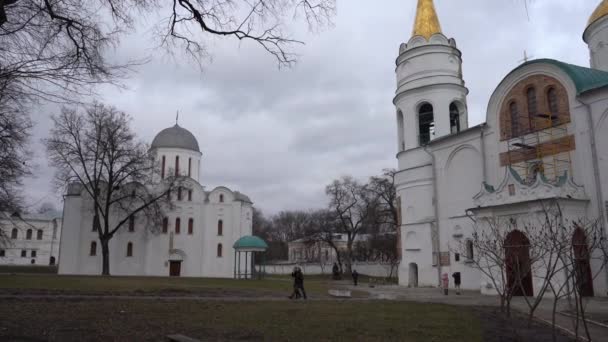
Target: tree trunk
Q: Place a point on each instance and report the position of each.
(349, 258)
(105, 253)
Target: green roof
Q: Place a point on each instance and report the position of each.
(247, 242)
(585, 79)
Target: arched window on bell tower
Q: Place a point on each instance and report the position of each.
(426, 123)
(454, 118)
(400, 132)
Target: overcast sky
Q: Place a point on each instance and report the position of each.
(281, 135)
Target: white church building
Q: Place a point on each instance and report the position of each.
(545, 137)
(196, 238)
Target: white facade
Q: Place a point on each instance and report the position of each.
(33, 239)
(441, 181)
(209, 224)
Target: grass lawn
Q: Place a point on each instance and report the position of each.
(274, 285)
(139, 320)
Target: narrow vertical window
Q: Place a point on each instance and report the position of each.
(220, 227)
(165, 225)
(219, 250)
(93, 249)
(129, 249)
(514, 115)
(400, 130)
(14, 233)
(2, 253)
(176, 166)
(189, 195)
(179, 193)
(39, 234)
(28, 234)
(426, 123)
(33, 254)
(552, 102)
(177, 225)
(162, 168)
(221, 198)
(169, 195)
(532, 107)
(23, 253)
(190, 226)
(132, 223)
(454, 118)
(470, 250)
(189, 167)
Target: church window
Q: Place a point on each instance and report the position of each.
(165, 225)
(470, 250)
(220, 227)
(14, 233)
(177, 225)
(132, 223)
(168, 195)
(454, 118)
(23, 253)
(179, 193)
(176, 166)
(52, 261)
(219, 250)
(190, 226)
(552, 99)
(221, 198)
(514, 115)
(426, 123)
(456, 256)
(2, 252)
(33, 254)
(93, 249)
(39, 234)
(189, 167)
(129, 249)
(28, 234)
(401, 131)
(189, 195)
(162, 169)
(511, 189)
(532, 106)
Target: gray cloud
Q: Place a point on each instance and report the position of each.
(281, 135)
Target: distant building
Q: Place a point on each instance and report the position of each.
(195, 238)
(32, 239)
(308, 250)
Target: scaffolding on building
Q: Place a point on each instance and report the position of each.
(542, 146)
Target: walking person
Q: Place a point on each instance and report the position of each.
(456, 276)
(299, 282)
(355, 277)
(296, 293)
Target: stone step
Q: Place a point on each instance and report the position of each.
(181, 338)
(340, 293)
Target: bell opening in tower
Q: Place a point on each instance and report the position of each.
(426, 124)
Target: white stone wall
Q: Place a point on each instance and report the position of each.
(370, 269)
(596, 36)
(44, 248)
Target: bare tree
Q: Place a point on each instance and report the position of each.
(353, 204)
(98, 150)
(324, 226)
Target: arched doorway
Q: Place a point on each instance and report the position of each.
(413, 276)
(176, 257)
(584, 280)
(519, 268)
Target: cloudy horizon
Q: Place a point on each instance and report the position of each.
(280, 136)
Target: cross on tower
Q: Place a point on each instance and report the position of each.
(526, 57)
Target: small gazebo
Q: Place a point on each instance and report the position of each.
(248, 250)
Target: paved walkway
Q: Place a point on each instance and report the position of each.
(595, 306)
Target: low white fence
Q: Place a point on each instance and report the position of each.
(373, 269)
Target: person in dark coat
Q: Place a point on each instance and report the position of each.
(456, 276)
(355, 277)
(298, 277)
(296, 293)
(336, 271)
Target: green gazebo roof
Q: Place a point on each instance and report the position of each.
(250, 242)
(585, 79)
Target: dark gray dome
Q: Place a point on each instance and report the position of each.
(175, 137)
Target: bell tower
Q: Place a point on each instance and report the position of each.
(596, 37)
(431, 94)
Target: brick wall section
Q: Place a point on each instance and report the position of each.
(518, 94)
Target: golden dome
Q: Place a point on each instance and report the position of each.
(427, 22)
(600, 12)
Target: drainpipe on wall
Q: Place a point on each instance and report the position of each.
(596, 173)
(436, 208)
(483, 153)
